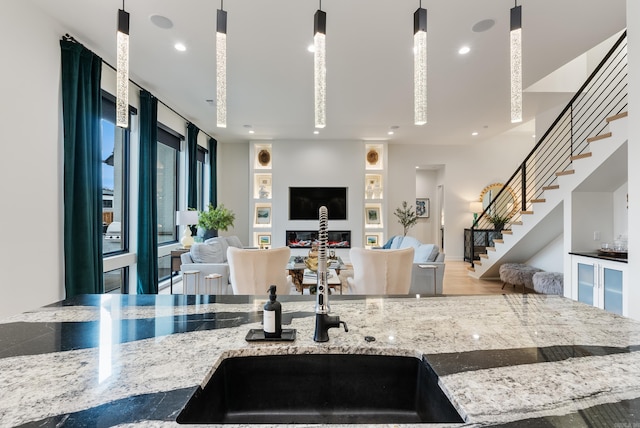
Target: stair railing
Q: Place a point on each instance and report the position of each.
(604, 94)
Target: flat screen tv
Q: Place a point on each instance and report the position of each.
(304, 202)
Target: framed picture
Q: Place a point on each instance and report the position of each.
(372, 240)
(263, 215)
(372, 215)
(264, 240)
(422, 207)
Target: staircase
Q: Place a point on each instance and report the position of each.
(588, 140)
(543, 222)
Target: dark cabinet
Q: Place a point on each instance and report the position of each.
(477, 244)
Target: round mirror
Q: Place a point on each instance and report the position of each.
(506, 204)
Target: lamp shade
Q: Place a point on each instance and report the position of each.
(185, 218)
(476, 207)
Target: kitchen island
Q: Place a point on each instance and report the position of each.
(510, 360)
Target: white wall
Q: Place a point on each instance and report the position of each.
(620, 212)
(426, 230)
(551, 257)
(468, 170)
(233, 186)
(31, 163)
(592, 212)
(633, 50)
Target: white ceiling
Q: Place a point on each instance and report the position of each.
(369, 61)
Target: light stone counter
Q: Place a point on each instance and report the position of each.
(502, 360)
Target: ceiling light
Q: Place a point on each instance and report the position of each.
(316, 132)
(390, 132)
(180, 47)
(516, 64)
(311, 48)
(464, 50)
(319, 67)
(221, 67)
(251, 131)
(420, 65)
(474, 133)
(122, 70)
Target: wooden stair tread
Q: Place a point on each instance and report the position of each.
(552, 187)
(580, 156)
(470, 269)
(537, 201)
(507, 232)
(484, 256)
(491, 248)
(516, 223)
(477, 262)
(526, 212)
(618, 116)
(498, 241)
(599, 137)
(567, 172)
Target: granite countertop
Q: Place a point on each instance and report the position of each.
(509, 360)
(621, 258)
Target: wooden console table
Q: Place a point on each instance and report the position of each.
(175, 263)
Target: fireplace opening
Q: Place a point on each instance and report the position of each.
(304, 238)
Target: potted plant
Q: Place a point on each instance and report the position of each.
(213, 220)
(406, 216)
(499, 221)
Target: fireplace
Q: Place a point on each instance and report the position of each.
(304, 238)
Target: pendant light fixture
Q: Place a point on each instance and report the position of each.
(516, 63)
(122, 73)
(319, 67)
(420, 65)
(221, 67)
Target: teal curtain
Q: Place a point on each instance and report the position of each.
(82, 111)
(147, 198)
(213, 171)
(192, 159)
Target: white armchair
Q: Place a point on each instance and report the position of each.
(381, 271)
(252, 271)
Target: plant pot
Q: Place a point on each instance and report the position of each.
(207, 233)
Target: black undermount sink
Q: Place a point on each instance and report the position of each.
(281, 389)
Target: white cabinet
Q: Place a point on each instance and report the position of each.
(599, 282)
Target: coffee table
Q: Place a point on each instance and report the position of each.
(310, 278)
(296, 269)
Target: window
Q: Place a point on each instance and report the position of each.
(168, 156)
(168, 151)
(115, 281)
(201, 155)
(115, 160)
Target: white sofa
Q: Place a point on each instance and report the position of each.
(210, 257)
(428, 264)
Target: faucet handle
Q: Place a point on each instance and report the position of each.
(346, 329)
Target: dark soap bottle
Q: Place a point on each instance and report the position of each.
(272, 316)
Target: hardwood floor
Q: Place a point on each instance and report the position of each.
(457, 281)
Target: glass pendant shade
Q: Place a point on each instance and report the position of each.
(420, 66)
(320, 69)
(122, 70)
(221, 70)
(516, 64)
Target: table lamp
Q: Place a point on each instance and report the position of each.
(186, 218)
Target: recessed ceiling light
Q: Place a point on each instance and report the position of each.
(474, 133)
(251, 131)
(316, 132)
(311, 48)
(533, 136)
(161, 21)
(417, 167)
(464, 50)
(180, 47)
(390, 133)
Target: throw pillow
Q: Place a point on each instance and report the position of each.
(223, 246)
(397, 240)
(434, 254)
(410, 241)
(234, 241)
(206, 253)
(422, 253)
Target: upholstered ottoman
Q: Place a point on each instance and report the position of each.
(548, 283)
(517, 274)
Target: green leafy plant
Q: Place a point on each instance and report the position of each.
(406, 216)
(499, 221)
(216, 218)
